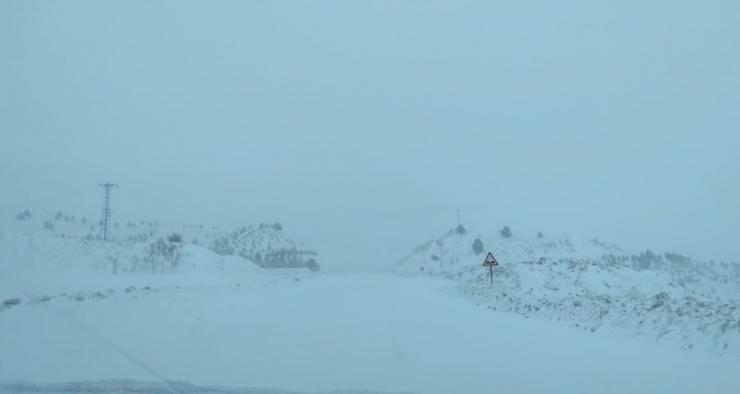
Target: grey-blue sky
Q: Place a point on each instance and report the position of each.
(362, 126)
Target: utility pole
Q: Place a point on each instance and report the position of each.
(441, 252)
(105, 228)
(458, 217)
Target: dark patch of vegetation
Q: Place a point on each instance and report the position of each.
(161, 255)
(23, 215)
(659, 300)
(222, 246)
(313, 265)
(612, 259)
(48, 226)
(478, 246)
(460, 229)
(275, 226)
(175, 238)
(647, 259)
(506, 232)
(143, 237)
(11, 302)
(678, 259)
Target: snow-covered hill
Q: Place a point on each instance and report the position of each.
(143, 246)
(267, 246)
(182, 311)
(592, 285)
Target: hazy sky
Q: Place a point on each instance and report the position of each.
(363, 126)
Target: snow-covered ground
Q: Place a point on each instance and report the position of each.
(126, 386)
(328, 332)
(593, 286)
(141, 246)
(222, 321)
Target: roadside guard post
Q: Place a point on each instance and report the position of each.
(490, 262)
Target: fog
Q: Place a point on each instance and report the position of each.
(363, 126)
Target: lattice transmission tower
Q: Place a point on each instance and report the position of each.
(105, 227)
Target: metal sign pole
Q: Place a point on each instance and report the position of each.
(490, 262)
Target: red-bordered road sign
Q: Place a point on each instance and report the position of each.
(490, 261)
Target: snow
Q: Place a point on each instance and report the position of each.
(114, 386)
(328, 332)
(222, 321)
(593, 286)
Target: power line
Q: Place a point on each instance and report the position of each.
(105, 228)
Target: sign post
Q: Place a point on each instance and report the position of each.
(490, 262)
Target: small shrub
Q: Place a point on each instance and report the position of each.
(23, 215)
(313, 265)
(59, 216)
(539, 235)
(11, 302)
(435, 257)
(676, 258)
(478, 246)
(277, 226)
(460, 229)
(222, 246)
(161, 252)
(48, 226)
(659, 300)
(175, 238)
(506, 232)
(647, 260)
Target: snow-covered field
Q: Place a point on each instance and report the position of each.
(328, 332)
(222, 321)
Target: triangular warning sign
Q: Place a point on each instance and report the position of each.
(490, 261)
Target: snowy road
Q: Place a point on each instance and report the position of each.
(329, 332)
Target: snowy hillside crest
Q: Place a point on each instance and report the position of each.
(592, 285)
(148, 246)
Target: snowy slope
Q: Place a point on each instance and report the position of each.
(61, 240)
(593, 286)
(265, 245)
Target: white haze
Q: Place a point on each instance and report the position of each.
(363, 126)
